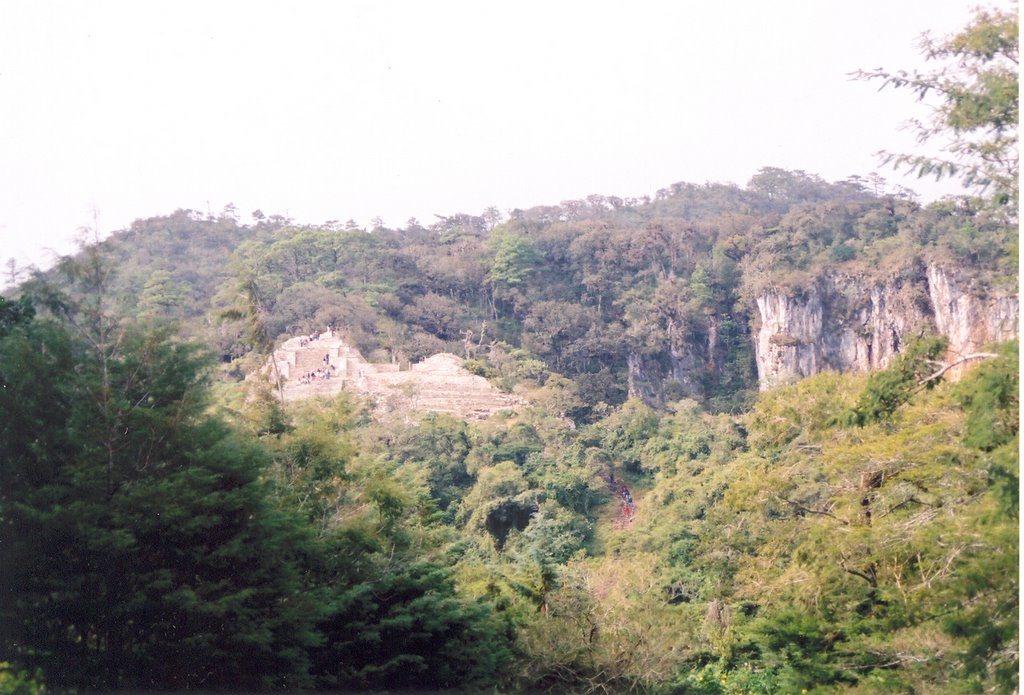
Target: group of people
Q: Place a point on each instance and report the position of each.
(313, 337)
(325, 372)
(628, 506)
(328, 369)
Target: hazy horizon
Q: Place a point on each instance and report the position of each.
(397, 110)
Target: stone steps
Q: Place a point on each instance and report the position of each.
(438, 384)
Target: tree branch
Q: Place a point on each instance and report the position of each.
(946, 367)
(808, 510)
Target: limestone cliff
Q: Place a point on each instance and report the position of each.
(849, 324)
(711, 360)
(970, 315)
(681, 366)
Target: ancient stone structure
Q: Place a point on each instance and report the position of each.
(437, 384)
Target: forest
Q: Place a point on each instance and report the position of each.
(651, 521)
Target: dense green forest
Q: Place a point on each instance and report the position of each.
(649, 522)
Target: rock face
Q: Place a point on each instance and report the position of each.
(684, 366)
(437, 384)
(845, 324)
(969, 316)
(713, 357)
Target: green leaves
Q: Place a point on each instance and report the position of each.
(408, 629)
(992, 400)
(15, 313)
(978, 110)
(164, 567)
(513, 261)
(888, 389)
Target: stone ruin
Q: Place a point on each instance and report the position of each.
(438, 384)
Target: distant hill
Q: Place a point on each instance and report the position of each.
(666, 297)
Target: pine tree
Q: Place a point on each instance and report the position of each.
(137, 547)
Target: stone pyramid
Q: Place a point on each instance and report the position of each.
(325, 364)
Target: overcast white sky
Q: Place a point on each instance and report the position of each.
(338, 110)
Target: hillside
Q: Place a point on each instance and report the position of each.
(721, 440)
(707, 292)
(802, 498)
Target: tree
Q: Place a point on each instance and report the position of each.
(164, 567)
(888, 389)
(14, 313)
(978, 105)
(161, 298)
(409, 629)
(781, 185)
(436, 314)
(513, 261)
(256, 287)
(439, 444)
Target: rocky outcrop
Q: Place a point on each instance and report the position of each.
(968, 315)
(639, 381)
(680, 366)
(712, 359)
(678, 371)
(848, 324)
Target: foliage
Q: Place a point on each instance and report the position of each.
(653, 299)
(14, 682)
(514, 258)
(888, 389)
(772, 552)
(978, 110)
(989, 627)
(166, 564)
(992, 402)
(14, 313)
(841, 533)
(714, 680)
(408, 629)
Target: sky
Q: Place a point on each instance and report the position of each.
(112, 111)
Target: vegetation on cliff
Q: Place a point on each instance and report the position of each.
(792, 547)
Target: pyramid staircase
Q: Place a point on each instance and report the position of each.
(437, 384)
